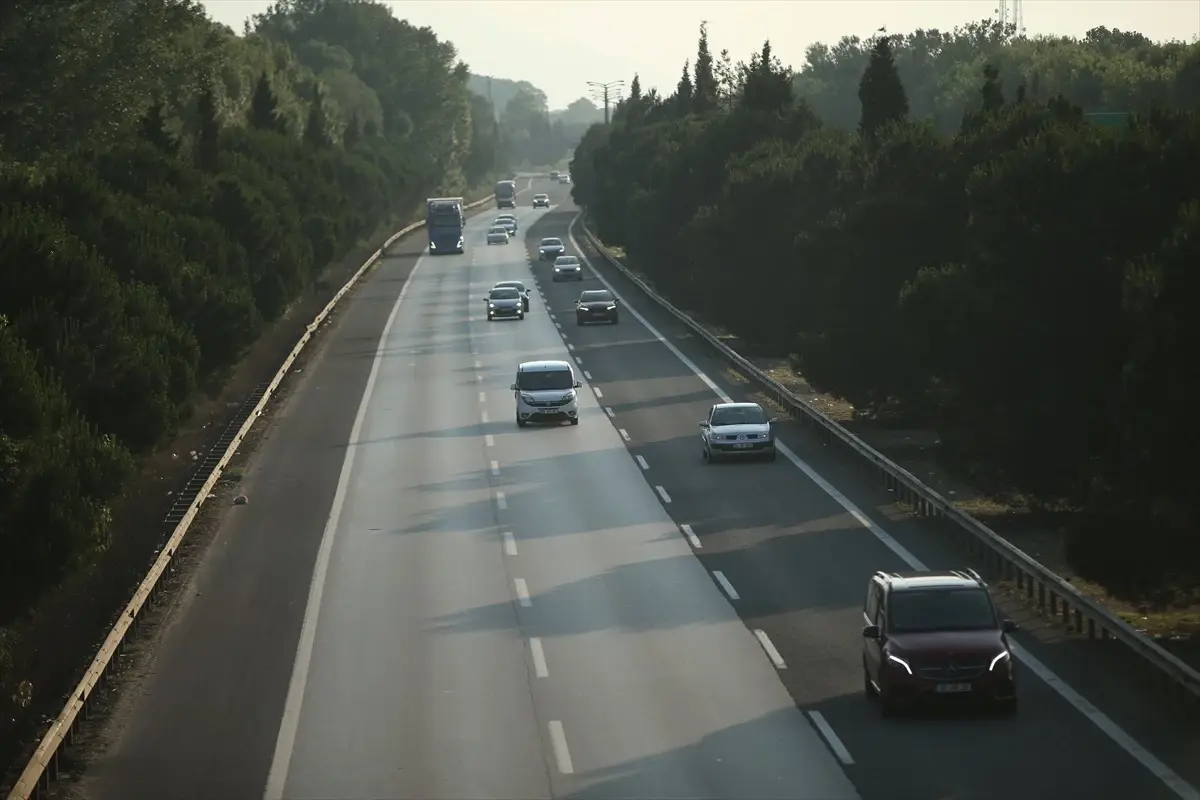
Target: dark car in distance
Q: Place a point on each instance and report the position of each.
(596, 305)
(935, 637)
(550, 248)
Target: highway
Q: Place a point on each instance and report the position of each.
(423, 601)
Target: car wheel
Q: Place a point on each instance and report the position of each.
(489, 317)
(578, 320)
(616, 319)
(574, 420)
(708, 457)
(520, 422)
(887, 706)
(521, 315)
(771, 455)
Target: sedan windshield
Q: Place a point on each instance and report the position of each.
(566, 261)
(598, 296)
(920, 610)
(552, 243)
(545, 381)
(498, 230)
(738, 415)
(505, 293)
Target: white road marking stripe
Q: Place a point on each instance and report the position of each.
(483, 417)
(562, 755)
(495, 468)
(769, 647)
(522, 592)
(726, 585)
(510, 543)
(831, 738)
(599, 393)
(501, 500)
(624, 434)
(609, 411)
(539, 658)
(642, 462)
(489, 440)
(666, 498)
(691, 536)
(570, 347)
(482, 397)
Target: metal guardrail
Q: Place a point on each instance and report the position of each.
(1050, 592)
(43, 766)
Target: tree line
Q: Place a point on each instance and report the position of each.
(531, 134)
(167, 190)
(1020, 283)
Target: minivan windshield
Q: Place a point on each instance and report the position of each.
(926, 610)
(545, 380)
(504, 293)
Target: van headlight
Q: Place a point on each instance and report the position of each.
(526, 398)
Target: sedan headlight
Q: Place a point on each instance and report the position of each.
(999, 660)
(432, 246)
(460, 241)
(611, 308)
(900, 662)
(491, 306)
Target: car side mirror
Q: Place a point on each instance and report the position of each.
(486, 299)
(513, 387)
(578, 385)
(703, 423)
(1010, 626)
(871, 632)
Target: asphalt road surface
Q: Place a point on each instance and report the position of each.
(423, 601)
(794, 551)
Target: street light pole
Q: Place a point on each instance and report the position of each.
(604, 90)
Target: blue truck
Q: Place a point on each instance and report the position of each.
(506, 194)
(444, 220)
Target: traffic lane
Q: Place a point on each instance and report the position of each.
(202, 721)
(616, 603)
(1098, 671)
(390, 708)
(761, 520)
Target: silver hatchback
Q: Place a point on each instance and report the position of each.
(568, 268)
(737, 430)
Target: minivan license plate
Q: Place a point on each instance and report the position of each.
(953, 688)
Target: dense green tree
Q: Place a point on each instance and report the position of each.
(1008, 273)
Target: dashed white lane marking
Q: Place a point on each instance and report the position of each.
(831, 738)
(691, 536)
(495, 469)
(478, 365)
(642, 462)
(479, 377)
(483, 416)
(599, 393)
(539, 657)
(522, 592)
(609, 411)
(726, 585)
(570, 347)
(489, 440)
(587, 374)
(510, 543)
(666, 498)
(624, 434)
(553, 317)
(769, 647)
(579, 361)
(482, 397)
(558, 739)
(558, 325)
(501, 500)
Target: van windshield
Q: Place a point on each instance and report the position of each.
(545, 380)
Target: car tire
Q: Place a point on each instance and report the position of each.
(521, 315)
(707, 455)
(771, 455)
(887, 706)
(868, 689)
(578, 321)
(615, 319)
(520, 422)
(574, 420)
(489, 317)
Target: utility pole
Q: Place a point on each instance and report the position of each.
(1011, 13)
(603, 92)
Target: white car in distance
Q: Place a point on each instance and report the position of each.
(497, 235)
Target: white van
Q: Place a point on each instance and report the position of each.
(545, 392)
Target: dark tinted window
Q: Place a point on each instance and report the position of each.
(551, 242)
(918, 610)
(506, 293)
(511, 284)
(565, 261)
(739, 415)
(544, 380)
(598, 296)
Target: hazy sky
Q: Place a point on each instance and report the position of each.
(560, 45)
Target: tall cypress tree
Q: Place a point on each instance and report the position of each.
(264, 107)
(881, 92)
(207, 153)
(704, 81)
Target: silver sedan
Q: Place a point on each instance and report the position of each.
(737, 430)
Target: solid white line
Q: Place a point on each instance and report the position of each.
(561, 754)
(599, 393)
(495, 468)
(501, 501)
(831, 738)
(489, 440)
(769, 647)
(539, 658)
(726, 585)
(642, 462)
(691, 536)
(289, 723)
(510, 543)
(1103, 722)
(483, 417)
(666, 498)
(624, 434)
(482, 397)
(522, 592)
(609, 411)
